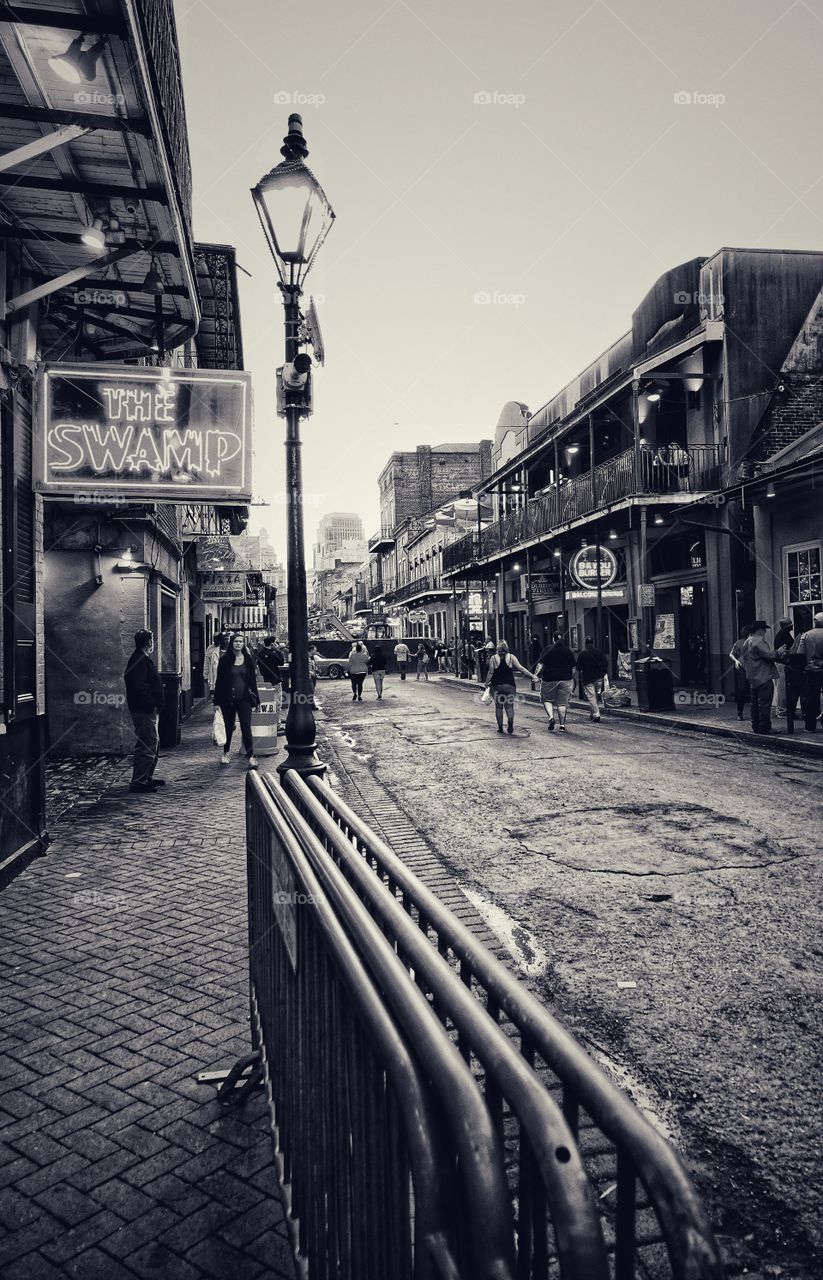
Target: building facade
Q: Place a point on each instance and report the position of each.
(99, 270)
(618, 510)
(425, 504)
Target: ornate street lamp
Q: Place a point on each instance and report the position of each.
(296, 218)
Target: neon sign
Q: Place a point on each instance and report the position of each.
(156, 434)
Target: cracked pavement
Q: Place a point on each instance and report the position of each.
(661, 892)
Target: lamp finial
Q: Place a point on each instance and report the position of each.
(294, 144)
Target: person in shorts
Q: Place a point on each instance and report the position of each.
(556, 668)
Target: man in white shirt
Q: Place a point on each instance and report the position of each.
(401, 657)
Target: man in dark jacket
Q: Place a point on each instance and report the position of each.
(783, 641)
(592, 666)
(144, 699)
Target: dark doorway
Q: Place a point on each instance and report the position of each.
(198, 653)
(693, 633)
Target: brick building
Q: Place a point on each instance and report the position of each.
(423, 507)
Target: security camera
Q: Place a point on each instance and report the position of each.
(296, 372)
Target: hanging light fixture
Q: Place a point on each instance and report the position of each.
(770, 491)
(612, 534)
(153, 282)
(658, 519)
(78, 64)
(556, 553)
(94, 236)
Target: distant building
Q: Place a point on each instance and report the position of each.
(425, 503)
(419, 481)
(336, 530)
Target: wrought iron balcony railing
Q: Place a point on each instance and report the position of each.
(667, 471)
(383, 538)
(419, 587)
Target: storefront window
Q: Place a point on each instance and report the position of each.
(168, 632)
(804, 584)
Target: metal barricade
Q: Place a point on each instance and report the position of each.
(387, 1170)
(659, 1229)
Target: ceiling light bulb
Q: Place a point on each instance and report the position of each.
(654, 396)
(66, 65)
(77, 63)
(770, 491)
(612, 534)
(94, 235)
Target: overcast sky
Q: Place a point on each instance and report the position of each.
(509, 179)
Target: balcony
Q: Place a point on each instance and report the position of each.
(361, 600)
(383, 540)
(697, 470)
(428, 585)
(456, 555)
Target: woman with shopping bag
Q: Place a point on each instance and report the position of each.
(235, 697)
(500, 686)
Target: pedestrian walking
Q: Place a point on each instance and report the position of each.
(761, 672)
(235, 693)
(314, 672)
(144, 699)
(211, 658)
(270, 663)
(783, 642)
(401, 657)
(742, 693)
(422, 663)
(810, 646)
(358, 663)
(556, 667)
(378, 670)
(501, 684)
(592, 666)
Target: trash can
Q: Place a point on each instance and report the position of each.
(653, 681)
(168, 726)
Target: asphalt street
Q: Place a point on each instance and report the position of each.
(661, 892)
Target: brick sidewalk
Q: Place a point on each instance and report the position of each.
(123, 974)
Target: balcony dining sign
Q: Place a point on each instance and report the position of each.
(147, 434)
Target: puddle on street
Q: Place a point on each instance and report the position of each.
(529, 955)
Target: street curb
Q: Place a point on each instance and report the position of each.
(783, 743)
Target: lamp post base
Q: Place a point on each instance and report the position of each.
(305, 762)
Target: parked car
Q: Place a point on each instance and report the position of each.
(334, 668)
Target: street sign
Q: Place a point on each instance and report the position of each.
(225, 587)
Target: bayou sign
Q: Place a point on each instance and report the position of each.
(147, 434)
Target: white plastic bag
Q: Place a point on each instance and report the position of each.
(218, 728)
(486, 697)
